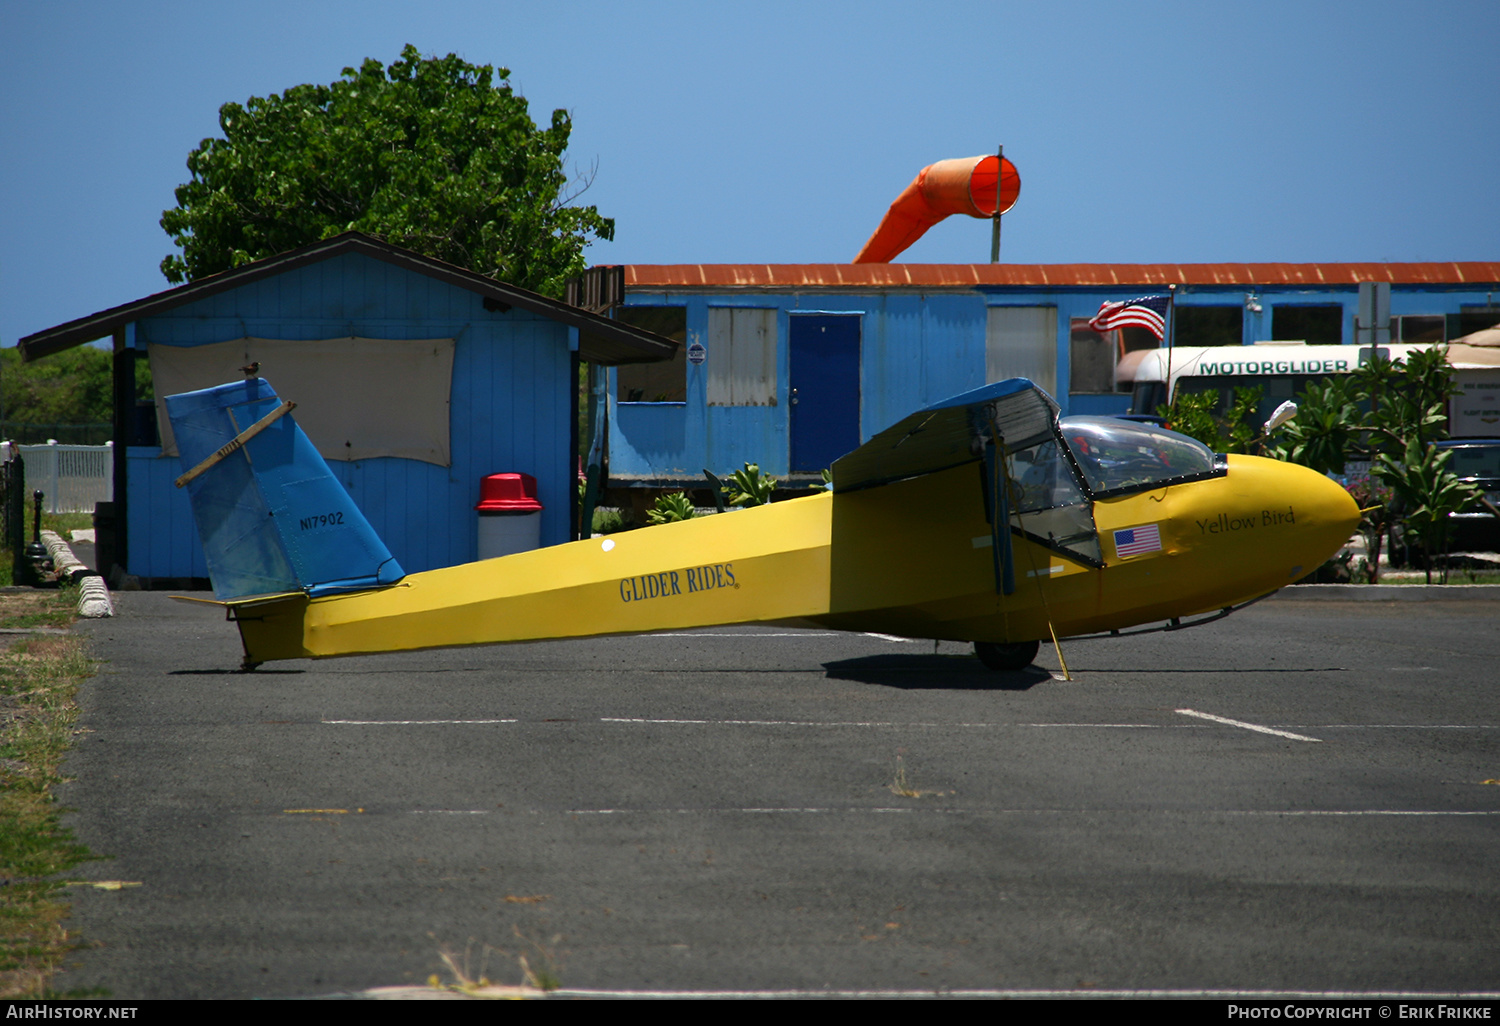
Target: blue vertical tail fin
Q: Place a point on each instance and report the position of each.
(271, 515)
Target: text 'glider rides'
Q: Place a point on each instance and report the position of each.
(983, 518)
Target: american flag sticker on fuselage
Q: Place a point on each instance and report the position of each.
(1137, 541)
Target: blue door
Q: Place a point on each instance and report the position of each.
(823, 350)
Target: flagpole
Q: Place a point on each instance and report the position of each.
(1171, 339)
(1171, 308)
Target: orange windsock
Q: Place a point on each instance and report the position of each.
(963, 186)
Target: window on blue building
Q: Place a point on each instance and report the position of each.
(1100, 362)
(664, 382)
(1417, 328)
(1208, 325)
(741, 356)
(1471, 318)
(1315, 325)
(1021, 342)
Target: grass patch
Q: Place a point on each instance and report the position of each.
(535, 981)
(45, 608)
(38, 680)
(64, 523)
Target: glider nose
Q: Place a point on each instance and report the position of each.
(1315, 514)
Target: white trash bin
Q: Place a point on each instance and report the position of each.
(510, 518)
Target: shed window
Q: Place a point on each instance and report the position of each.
(741, 356)
(664, 382)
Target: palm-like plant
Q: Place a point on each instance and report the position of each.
(1327, 425)
(749, 487)
(670, 508)
(1429, 493)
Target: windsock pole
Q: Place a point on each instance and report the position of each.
(995, 229)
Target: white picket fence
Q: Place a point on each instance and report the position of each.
(71, 478)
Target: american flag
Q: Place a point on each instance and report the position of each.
(1137, 541)
(1149, 312)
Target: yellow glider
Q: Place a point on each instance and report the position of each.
(983, 518)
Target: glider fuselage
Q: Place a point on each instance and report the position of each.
(912, 558)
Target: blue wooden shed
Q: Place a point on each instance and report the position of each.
(791, 365)
(372, 339)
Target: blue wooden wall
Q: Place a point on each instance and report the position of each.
(917, 348)
(511, 409)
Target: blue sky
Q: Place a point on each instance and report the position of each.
(779, 132)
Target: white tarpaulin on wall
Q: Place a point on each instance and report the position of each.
(357, 398)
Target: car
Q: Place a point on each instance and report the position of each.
(1476, 461)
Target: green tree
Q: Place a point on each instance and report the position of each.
(71, 387)
(433, 154)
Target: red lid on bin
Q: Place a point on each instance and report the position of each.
(508, 493)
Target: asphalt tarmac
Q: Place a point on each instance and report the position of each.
(1304, 797)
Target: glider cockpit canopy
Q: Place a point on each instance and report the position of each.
(1014, 413)
(1110, 456)
(1041, 475)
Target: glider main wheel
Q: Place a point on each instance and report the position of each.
(1007, 657)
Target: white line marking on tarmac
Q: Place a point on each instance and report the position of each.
(884, 811)
(1404, 726)
(1247, 726)
(412, 993)
(742, 812)
(411, 723)
(747, 634)
(1370, 812)
(934, 725)
(887, 637)
(1303, 995)
(878, 723)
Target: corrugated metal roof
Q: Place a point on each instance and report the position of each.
(601, 339)
(967, 276)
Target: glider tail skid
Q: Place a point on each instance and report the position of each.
(277, 527)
